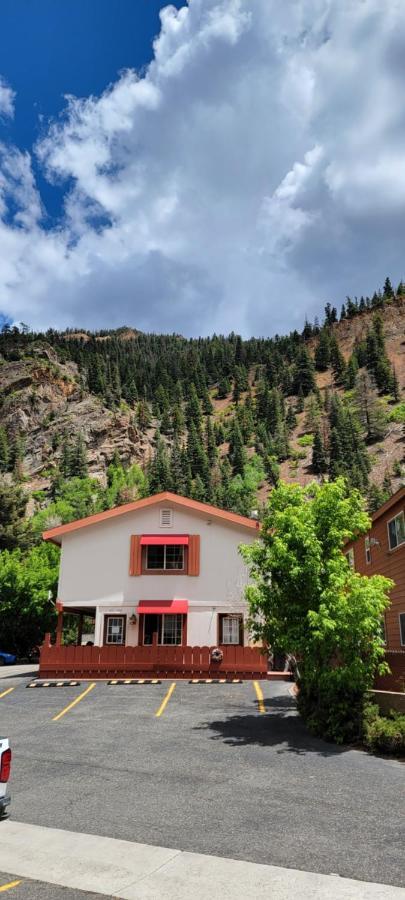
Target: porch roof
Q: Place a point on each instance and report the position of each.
(156, 607)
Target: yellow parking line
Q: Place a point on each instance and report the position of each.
(7, 887)
(260, 698)
(74, 702)
(163, 705)
(8, 691)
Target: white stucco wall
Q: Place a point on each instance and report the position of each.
(95, 570)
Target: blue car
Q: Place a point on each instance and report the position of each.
(6, 659)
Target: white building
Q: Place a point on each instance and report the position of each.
(164, 570)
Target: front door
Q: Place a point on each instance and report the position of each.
(151, 625)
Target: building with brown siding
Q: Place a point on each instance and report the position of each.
(382, 552)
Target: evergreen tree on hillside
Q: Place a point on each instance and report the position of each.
(304, 373)
(337, 360)
(193, 409)
(319, 457)
(78, 458)
(159, 474)
(237, 453)
(4, 450)
(322, 351)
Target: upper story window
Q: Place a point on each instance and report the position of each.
(402, 628)
(367, 549)
(396, 531)
(350, 557)
(165, 557)
(166, 518)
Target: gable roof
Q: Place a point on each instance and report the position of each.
(399, 495)
(55, 534)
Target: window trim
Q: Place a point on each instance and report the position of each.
(227, 615)
(108, 616)
(399, 515)
(349, 554)
(141, 636)
(367, 550)
(402, 642)
(147, 571)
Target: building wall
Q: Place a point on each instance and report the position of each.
(94, 570)
(385, 562)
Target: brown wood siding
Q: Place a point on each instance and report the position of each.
(135, 555)
(390, 563)
(194, 554)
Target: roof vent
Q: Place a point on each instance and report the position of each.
(166, 518)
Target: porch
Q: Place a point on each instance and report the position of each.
(123, 661)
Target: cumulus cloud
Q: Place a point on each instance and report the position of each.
(7, 96)
(254, 171)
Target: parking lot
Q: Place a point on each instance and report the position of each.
(221, 769)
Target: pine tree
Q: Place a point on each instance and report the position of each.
(193, 409)
(210, 443)
(337, 361)
(304, 373)
(159, 473)
(322, 352)
(319, 458)
(312, 413)
(388, 292)
(300, 400)
(237, 453)
(370, 411)
(4, 450)
(78, 462)
(351, 373)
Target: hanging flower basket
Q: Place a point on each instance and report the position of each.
(216, 655)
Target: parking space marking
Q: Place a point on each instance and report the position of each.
(74, 702)
(8, 691)
(260, 697)
(7, 887)
(165, 701)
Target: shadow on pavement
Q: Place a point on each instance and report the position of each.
(281, 727)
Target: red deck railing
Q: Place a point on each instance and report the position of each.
(151, 661)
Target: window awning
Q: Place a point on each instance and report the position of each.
(157, 607)
(159, 539)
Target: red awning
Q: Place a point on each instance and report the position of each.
(154, 539)
(162, 606)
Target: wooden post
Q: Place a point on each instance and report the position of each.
(155, 638)
(59, 630)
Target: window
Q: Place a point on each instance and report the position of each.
(172, 629)
(396, 531)
(231, 629)
(402, 628)
(350, 557)
(367, 550)
(114, 630)
(169, 628)
(165, 557)
(166, 518)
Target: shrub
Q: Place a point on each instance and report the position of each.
(306, 440)
(397, 413)
(383, 733)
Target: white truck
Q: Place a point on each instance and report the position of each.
(5, 766)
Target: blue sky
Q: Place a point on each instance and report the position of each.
(220, 165)
(49, 48)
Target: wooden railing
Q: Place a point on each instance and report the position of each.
(152, 661)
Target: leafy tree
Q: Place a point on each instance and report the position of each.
(27, 581)
(306, 600)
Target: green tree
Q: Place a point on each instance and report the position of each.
(319, 457)
(78, 461)
(28, 582)
(237, 453)
(14, 528)
(306, 600)
(304, 373)
(4, 450)
(322, 351)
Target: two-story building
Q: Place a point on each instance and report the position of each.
(382, 552)
(164, 571)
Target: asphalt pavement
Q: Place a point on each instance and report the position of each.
(17, 888)
(211, 775)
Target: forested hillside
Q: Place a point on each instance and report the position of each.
(91, 420)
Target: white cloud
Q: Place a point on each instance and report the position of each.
(253, 172)
(7, 96)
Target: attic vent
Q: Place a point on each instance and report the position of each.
(166, 518)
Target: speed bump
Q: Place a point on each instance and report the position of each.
(43, 684)
(134, 681)
(215, 681)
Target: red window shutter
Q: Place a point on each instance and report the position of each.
(135, 555)
(194, 554)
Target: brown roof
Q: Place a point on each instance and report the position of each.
(399, 495)
(165, 497)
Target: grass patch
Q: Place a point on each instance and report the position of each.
(397, 413)
(306, 440)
